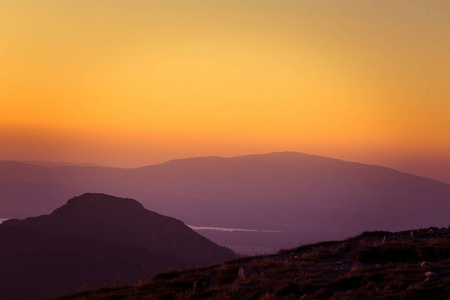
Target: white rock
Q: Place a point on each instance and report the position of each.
(245, 272)
(427, 263)
(431, 275)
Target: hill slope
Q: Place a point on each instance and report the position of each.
(412, 264)
(307, 197)
(95, 239)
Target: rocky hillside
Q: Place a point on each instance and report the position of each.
(411, 264)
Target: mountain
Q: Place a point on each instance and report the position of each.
(304, 198)
(412, 264)
(94, 240)
(59, 164)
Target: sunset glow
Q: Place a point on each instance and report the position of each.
(130, 83)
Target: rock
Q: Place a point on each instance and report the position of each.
(327, 276)
(427, 263)
(250, 285)
(245, 272)
(357, 266)
(431, 276)
(338, 268)
(200, 286)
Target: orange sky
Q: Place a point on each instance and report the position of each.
(130, 83)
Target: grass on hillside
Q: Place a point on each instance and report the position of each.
(377, 265)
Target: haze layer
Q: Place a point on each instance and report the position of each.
(129, 83)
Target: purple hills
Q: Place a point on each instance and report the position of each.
(306, 198)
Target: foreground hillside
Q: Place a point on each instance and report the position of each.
(374, 265)
(95, 240)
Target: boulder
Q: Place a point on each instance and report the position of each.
(427, 264)
(431, 276)
(245, 272)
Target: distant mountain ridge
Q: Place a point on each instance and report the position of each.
(95, 239)
(308, 197)
(53, 164)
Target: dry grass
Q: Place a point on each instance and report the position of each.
(377, 265)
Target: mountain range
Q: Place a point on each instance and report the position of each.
(304, 198)
(95, 240)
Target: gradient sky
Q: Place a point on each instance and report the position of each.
(136, 82)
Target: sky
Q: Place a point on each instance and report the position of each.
(135, 82)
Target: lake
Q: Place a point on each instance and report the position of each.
(231, 229)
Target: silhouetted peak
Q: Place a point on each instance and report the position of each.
(96, 202)
(275, 156)
(194, 160)
(284, 155)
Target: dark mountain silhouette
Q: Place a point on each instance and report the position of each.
(309, 198)
(93, 240)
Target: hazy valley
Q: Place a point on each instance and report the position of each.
(251, 204)
(303, 198)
